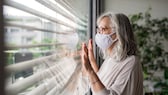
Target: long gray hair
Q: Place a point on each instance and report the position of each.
(126, 45)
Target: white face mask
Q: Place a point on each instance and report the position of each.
(104, 41)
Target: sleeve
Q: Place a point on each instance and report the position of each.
(120, 84)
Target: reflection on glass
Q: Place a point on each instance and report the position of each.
(42, 46)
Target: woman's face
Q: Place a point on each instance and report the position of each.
(105, 27)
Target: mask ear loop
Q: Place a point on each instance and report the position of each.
(112, 33)
(115, 38)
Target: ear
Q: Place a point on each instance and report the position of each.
(114, 36)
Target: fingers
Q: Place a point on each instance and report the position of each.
(84, 49)
(86, 66)
(84, 53)
(90, 45)
(90, 51)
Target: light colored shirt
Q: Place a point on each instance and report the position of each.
(121, 77)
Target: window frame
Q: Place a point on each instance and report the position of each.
(96, 7)
(2, 56)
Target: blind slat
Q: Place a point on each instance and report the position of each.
(55, 8)
(14, 68)
(61, 11)
(68, 8)
(35, 28)
(33, 79)
(45, 88)
(8, 47)
(34, 12)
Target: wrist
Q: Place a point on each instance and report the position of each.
(95, 81)
(93, 77)
(91, 72)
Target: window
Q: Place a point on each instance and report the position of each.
(43, 39)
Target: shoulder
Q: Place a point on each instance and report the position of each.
(131, 61)
(131, 58)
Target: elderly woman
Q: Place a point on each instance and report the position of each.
(121, 72)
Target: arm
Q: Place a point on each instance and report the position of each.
(96, 84)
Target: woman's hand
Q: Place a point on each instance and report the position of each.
(86, 67)
(90, 51)
(91, 56)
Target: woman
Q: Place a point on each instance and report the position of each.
(121, 72)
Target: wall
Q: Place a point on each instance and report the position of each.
(159, 8)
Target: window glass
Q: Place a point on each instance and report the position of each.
(43, 40)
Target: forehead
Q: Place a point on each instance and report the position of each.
(105, 21)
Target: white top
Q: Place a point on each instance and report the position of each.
(121, 77)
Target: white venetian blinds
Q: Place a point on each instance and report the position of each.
(42, 39)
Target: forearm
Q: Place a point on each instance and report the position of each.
(94, 66)
(95, 82)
